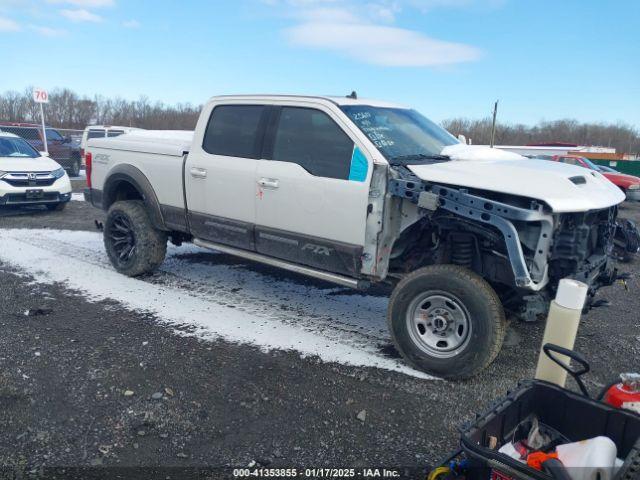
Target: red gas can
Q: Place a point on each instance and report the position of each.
(625, 394)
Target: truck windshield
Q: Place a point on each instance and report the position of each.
(592, 165)
(16, 147)
(400, 134)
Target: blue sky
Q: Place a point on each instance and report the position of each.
(544, 59)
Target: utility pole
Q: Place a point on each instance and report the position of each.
(493, 125)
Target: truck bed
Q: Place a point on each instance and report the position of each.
(157, 154)
(162, 142)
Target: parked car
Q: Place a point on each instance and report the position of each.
(539, 157)
(27, 177)
(357, 192)
(61, 148)
(102, 131)
(629, 184)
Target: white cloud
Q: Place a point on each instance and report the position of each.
(80, 15)
(48, 31)
(131, 24)
(327, 14)
(383, 9)
(8, 25)
(426, 5)
(381, 45)
(86, 3)
(366, 32)
(385, 12)
(300, 3)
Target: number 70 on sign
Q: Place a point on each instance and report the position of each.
(40, 95)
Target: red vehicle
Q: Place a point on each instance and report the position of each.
(629, 184)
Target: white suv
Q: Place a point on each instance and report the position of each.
(29, 177)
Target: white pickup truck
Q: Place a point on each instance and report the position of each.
(359, 192)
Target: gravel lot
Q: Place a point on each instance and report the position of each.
(86, 382)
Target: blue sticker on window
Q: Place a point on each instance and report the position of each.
(359, 166)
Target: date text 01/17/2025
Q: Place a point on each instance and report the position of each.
(337, 473)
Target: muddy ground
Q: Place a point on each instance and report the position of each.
(93, 383)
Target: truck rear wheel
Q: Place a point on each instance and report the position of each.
(446, 320)
(133, 244)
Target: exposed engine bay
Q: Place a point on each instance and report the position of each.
(517, 244)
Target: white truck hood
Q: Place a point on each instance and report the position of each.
(25, 164)
(505, 172)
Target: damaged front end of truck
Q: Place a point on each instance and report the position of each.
(468, 235)
(516, 243)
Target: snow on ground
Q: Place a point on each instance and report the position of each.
(77, 197)
(216, 297)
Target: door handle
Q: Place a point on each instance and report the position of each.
(198, 172)
(271, 183)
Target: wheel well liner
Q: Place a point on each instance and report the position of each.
(126, 182)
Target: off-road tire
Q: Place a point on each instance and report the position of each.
(150, 244)
(485, 316)
(56, 207)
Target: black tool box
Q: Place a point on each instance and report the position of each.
(573, 414)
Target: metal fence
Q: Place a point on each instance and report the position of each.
(630, 167)
(34, 133)
(74, 135)
(63, 145)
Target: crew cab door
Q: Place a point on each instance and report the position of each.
(312, 190)
(220, 174)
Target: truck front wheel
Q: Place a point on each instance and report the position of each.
(133, 244)
(446, 320)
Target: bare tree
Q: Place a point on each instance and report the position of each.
(622, 137)
(67, 109)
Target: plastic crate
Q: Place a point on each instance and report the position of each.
(573, 415)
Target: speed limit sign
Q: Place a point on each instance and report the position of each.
(40, 95)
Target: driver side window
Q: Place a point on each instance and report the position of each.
(314, 141)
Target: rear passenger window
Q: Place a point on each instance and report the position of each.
(115, 133)
(314, 141)
(233, 131)
(95, 134)
(570, 161)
